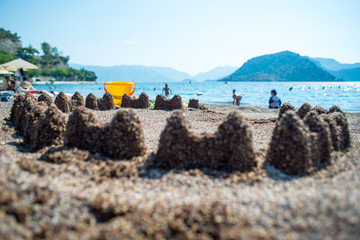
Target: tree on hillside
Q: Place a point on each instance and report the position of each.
(46, 48)
(27, 52)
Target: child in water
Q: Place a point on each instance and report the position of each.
(166, 89)
(236, 98)
(274, 101)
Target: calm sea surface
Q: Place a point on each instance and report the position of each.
(256, 94)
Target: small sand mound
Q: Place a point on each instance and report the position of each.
(303, 110)
(15, 105)
(285, 107)
(194, 103)
(49, 129)
(163, 103)
(82, 130)
(290, 146)
(334, 109)
(44, 97)
(141, 102)
(319, 110)
(30, 119)
(106, 102)
(334, 134)
(123, 138)
(77, 100)
(230, 148)
(320, 139)
(62, 102)
(343, 129)
(91, 102)
(22, 110)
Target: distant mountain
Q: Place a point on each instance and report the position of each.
(131, 73)
(333, 65)
(344, 71)
(282, 66)
(352, 74)
(215, 74)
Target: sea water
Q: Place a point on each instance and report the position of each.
(255, 94)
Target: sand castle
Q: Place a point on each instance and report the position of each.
(44, 97)
(321, 146)
(39, 124)
(49, 129)
(123, 138)
(91, 102)
(77, 100)
(285, 107)
(303, 110)
(163, 103)
(141, 102)
(106, 102)
(302, 141)
(83, 130)
(180, 148)
(194, 103)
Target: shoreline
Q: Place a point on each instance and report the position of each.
(62, 82)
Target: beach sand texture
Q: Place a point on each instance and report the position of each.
(67, 193)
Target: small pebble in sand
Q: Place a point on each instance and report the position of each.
(194, 103)
(141, 102)
(303, 110)
(77, 100)
(230, 148)
(49, 129)
(163, 103)
(62, 102)
(290, 146)
(44, 97)
(123, 138)
(285, 107)
(320, 139)
(91, 102)
(106, 102)
(82, 130)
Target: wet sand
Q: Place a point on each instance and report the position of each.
(59, 193)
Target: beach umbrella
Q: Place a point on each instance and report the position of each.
(17, 64)
(4, 71)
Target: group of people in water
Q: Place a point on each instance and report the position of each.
(274, 101)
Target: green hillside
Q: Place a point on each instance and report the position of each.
(51, 62)
(282, 66)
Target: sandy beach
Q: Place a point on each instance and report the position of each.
(67, 193)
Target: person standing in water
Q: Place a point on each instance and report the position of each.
(236, 98)
(274, 101)
(166, 89)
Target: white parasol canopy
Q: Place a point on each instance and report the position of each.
(4, 71)
(17, 64)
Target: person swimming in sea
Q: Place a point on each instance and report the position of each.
(236, 98)
(274, 101)
(166, 89)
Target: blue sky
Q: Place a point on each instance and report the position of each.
(189, 35)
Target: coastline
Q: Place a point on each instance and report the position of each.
(88, 196)
(63, 82)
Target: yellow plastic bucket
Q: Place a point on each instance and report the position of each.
(118, 89)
